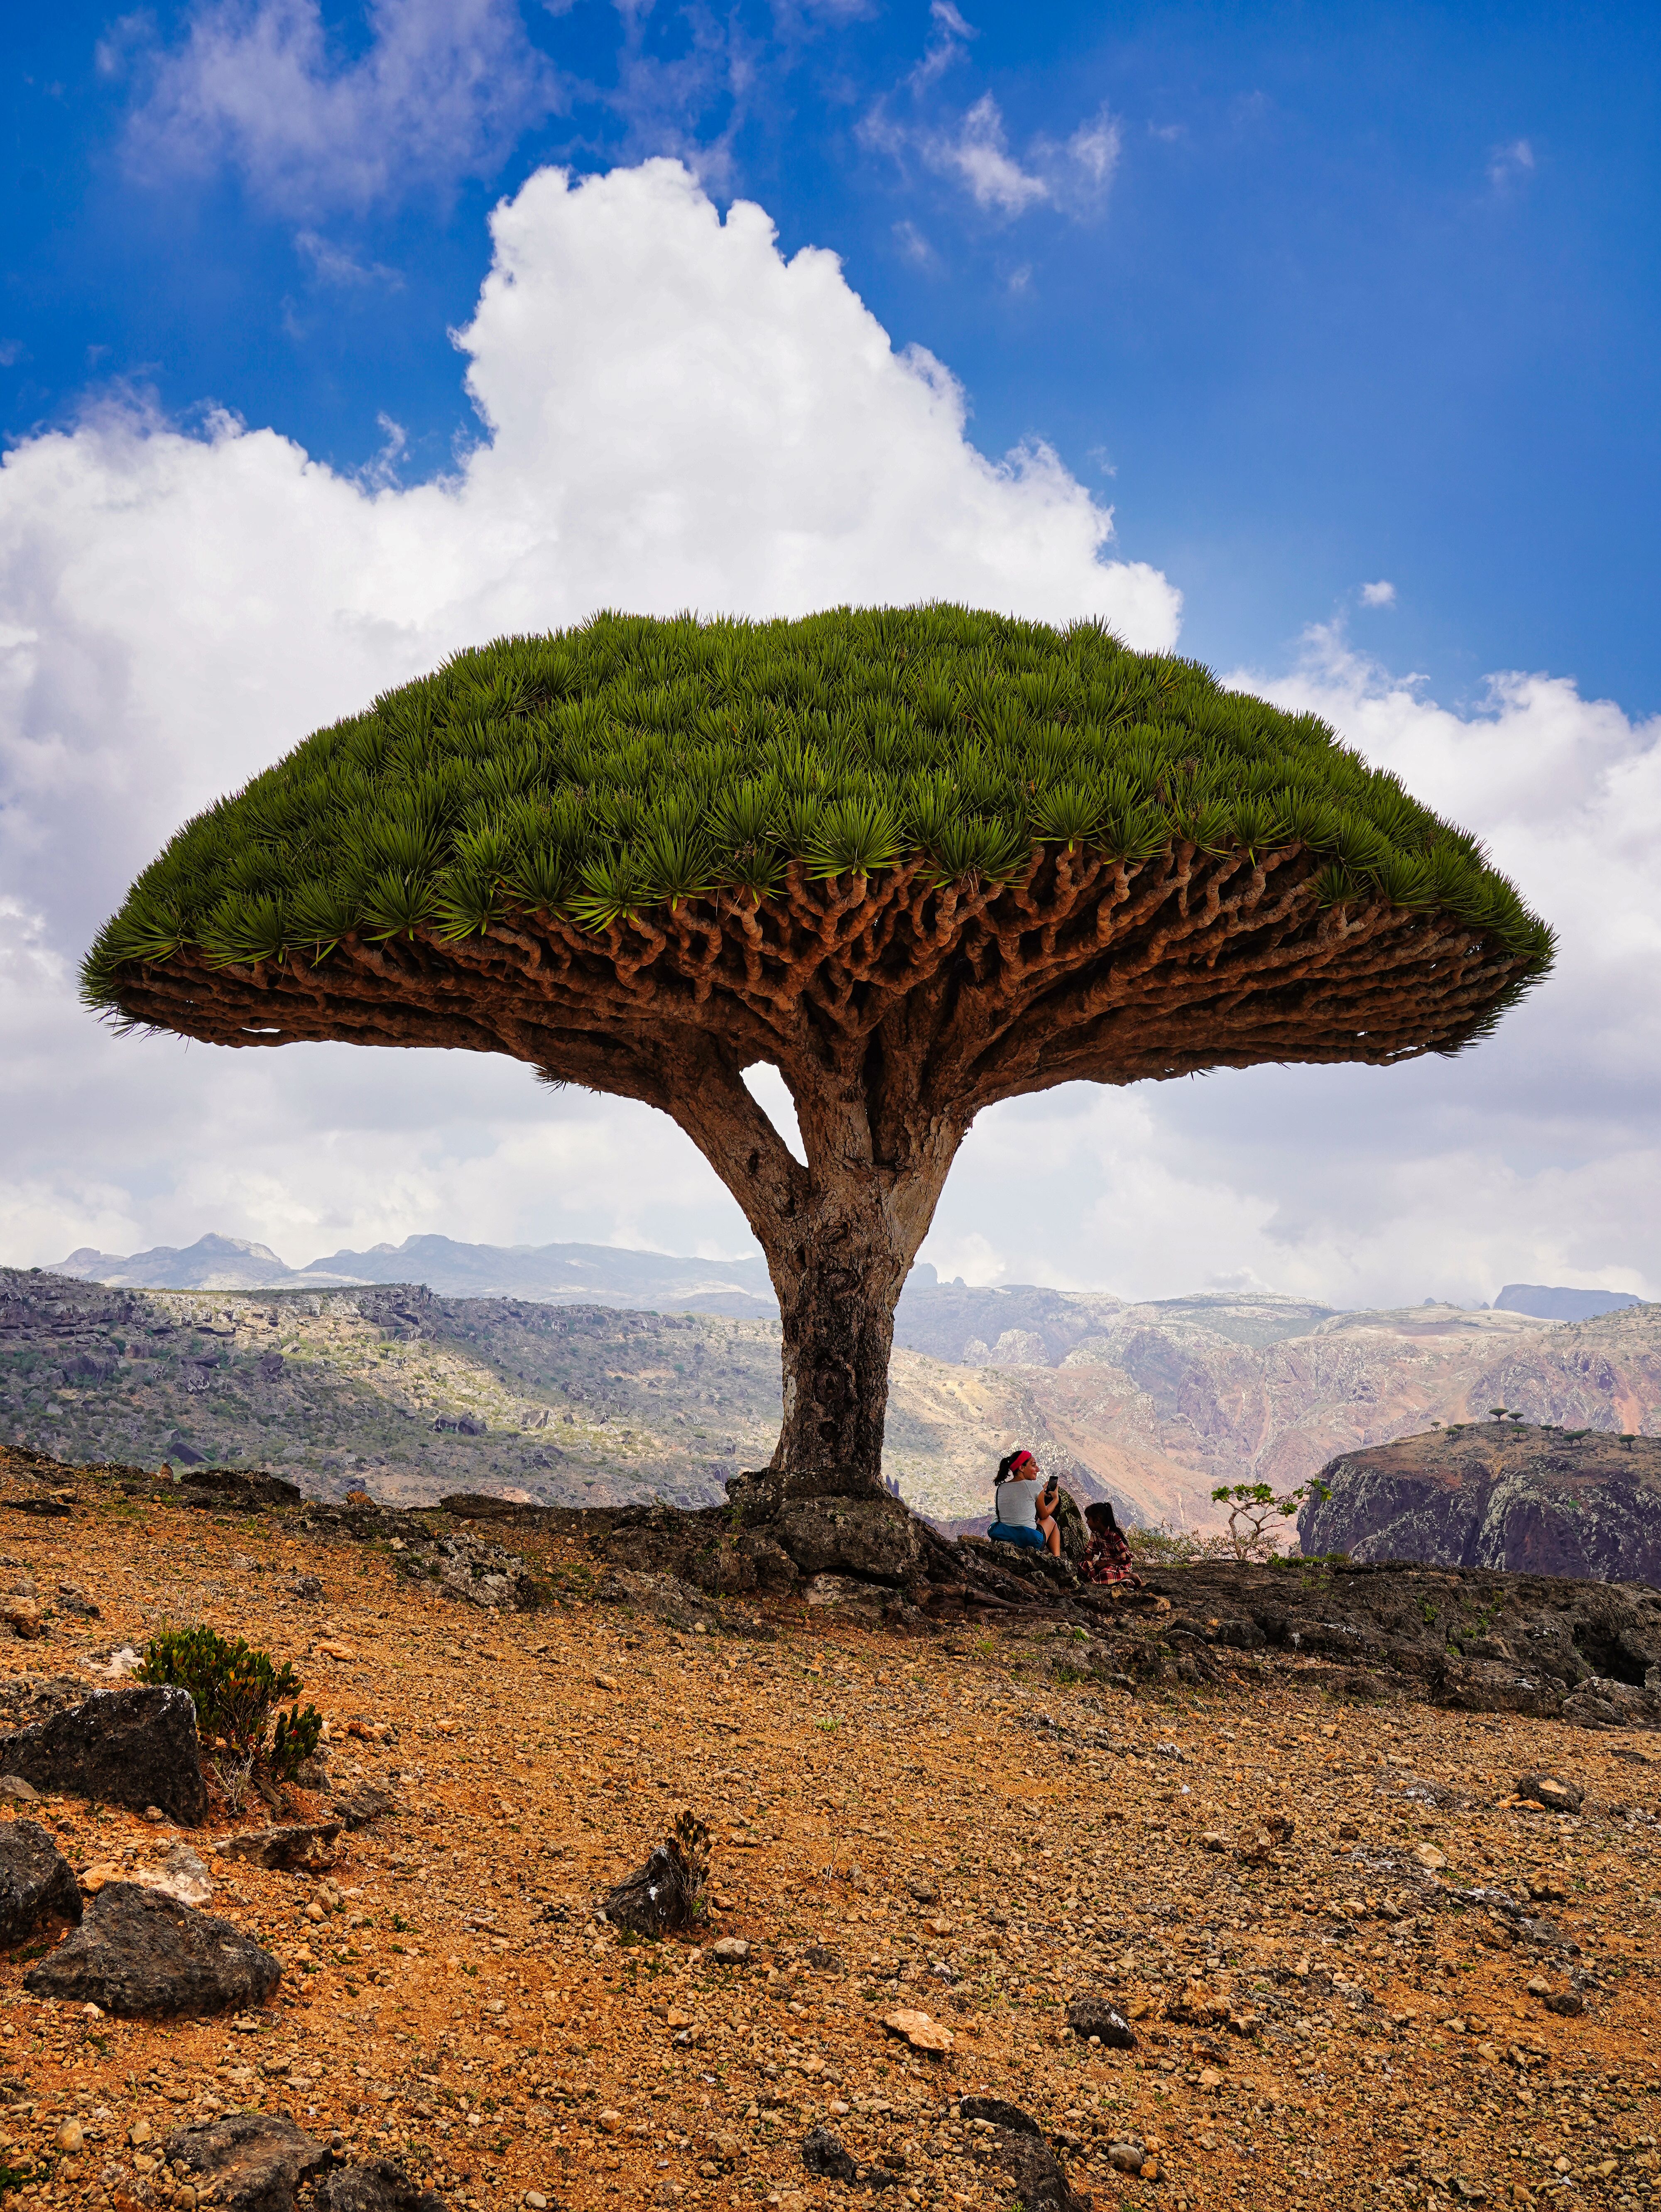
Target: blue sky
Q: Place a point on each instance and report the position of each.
(1367, 293)
(1324, 341)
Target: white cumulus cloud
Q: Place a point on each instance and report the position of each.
(1381, 594)
(674, 415)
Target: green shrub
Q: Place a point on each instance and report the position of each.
(236, 1690)
(295, 1740)
(1164, 1546)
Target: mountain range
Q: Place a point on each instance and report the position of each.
(1153, 1404)
(660, 1282)
(555, 1274)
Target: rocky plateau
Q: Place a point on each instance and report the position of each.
(1531, 1498)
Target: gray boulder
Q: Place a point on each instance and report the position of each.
(357, 1808)
(251, 2161)
(36, 1883)
(1037, 2175)
(1601, 1703)
(136, 1746)
(824, 2153)
(142, 1954)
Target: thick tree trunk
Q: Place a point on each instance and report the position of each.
(837, 1290)
(840, 1235)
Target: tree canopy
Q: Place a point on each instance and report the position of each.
(633, 765)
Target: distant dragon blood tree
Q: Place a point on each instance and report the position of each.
(918, 860)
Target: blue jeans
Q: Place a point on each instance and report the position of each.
(1001, 1532)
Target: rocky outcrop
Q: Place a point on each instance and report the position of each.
(776, 1532)
(135, 1747)
(1475, 1639)
(247, 2162)
(142, 1955)
(1530, 1500)
(36, 1883)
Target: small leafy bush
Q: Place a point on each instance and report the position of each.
(1164, 1546)
(236, 1690)
(295, 1739)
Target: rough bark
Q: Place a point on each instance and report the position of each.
(896, 1009)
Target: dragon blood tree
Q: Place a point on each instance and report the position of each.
(919, 861)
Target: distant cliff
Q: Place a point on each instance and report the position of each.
(1498, 1494)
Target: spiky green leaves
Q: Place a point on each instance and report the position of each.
(635, 765)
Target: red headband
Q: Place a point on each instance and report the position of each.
(1022, 1459)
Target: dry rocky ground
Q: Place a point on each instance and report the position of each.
(1294, 1898)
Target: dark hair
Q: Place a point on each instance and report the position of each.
(1006, 1465)
(1099, 1515)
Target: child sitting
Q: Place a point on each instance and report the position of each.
(1107, 1555)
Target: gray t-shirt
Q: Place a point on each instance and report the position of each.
(1017, 1501)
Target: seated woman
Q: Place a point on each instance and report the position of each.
(1107, 1555)
(1023, 1505)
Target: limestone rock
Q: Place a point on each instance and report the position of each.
(298, 1844)
(135, 1747)
(919, 2030)
(478, 1572)
(382, 2185)
(142, 1955)
(824, 2153)
(251, 2161)
(873, 1538)
(1091, 2014)
(181, 1874)
(36, 1882)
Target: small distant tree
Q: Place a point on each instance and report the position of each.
(917, 860)
(1253, 1509)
